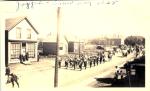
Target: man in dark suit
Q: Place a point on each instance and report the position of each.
(27, 56)
(21, 58)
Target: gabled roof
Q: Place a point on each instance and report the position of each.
(73, 39)
(12, 22)
(70, 38)
(53, 38)
(50, 38)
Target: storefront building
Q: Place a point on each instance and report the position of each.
(20, 38)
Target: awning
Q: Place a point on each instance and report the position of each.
(28, 41)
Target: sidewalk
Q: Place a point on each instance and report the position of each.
(18, 68)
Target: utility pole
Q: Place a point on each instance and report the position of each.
(79, 49)
(57, 50)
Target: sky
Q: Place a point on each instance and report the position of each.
(126, 17)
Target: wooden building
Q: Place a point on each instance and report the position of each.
(20, 37)
(110, 42)
(75, 47)
(48, 45)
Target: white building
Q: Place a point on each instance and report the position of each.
(20, 37)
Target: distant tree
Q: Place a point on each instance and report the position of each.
(134, 40)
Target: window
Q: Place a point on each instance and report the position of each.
(15, 50)
(31, 50)
(60, 48)
(24, 44)
(28, 33)
(18, 33)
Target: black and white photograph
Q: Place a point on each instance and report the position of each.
(74, 44)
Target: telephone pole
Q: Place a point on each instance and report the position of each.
(79, 49)
(57, 50)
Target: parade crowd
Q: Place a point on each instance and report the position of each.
(83, 61)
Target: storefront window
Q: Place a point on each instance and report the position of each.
(31, 50)
(15, 50)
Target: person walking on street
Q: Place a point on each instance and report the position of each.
(101, 58)
(66, 64)
(85, 63)
(59, 61)
(14, 78)
(7, 73)
(80, 65)
(109, 56)
(97, 60)
(74, 63)
(38, 57)
(90, 61)
(94, 61)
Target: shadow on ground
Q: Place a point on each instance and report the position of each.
(125, 82)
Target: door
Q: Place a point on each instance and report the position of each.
(23, 48)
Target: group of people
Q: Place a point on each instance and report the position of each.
(24, 57)
(138, 51)
(129, 49)
(84, 61)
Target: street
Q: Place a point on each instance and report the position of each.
(41, 74)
